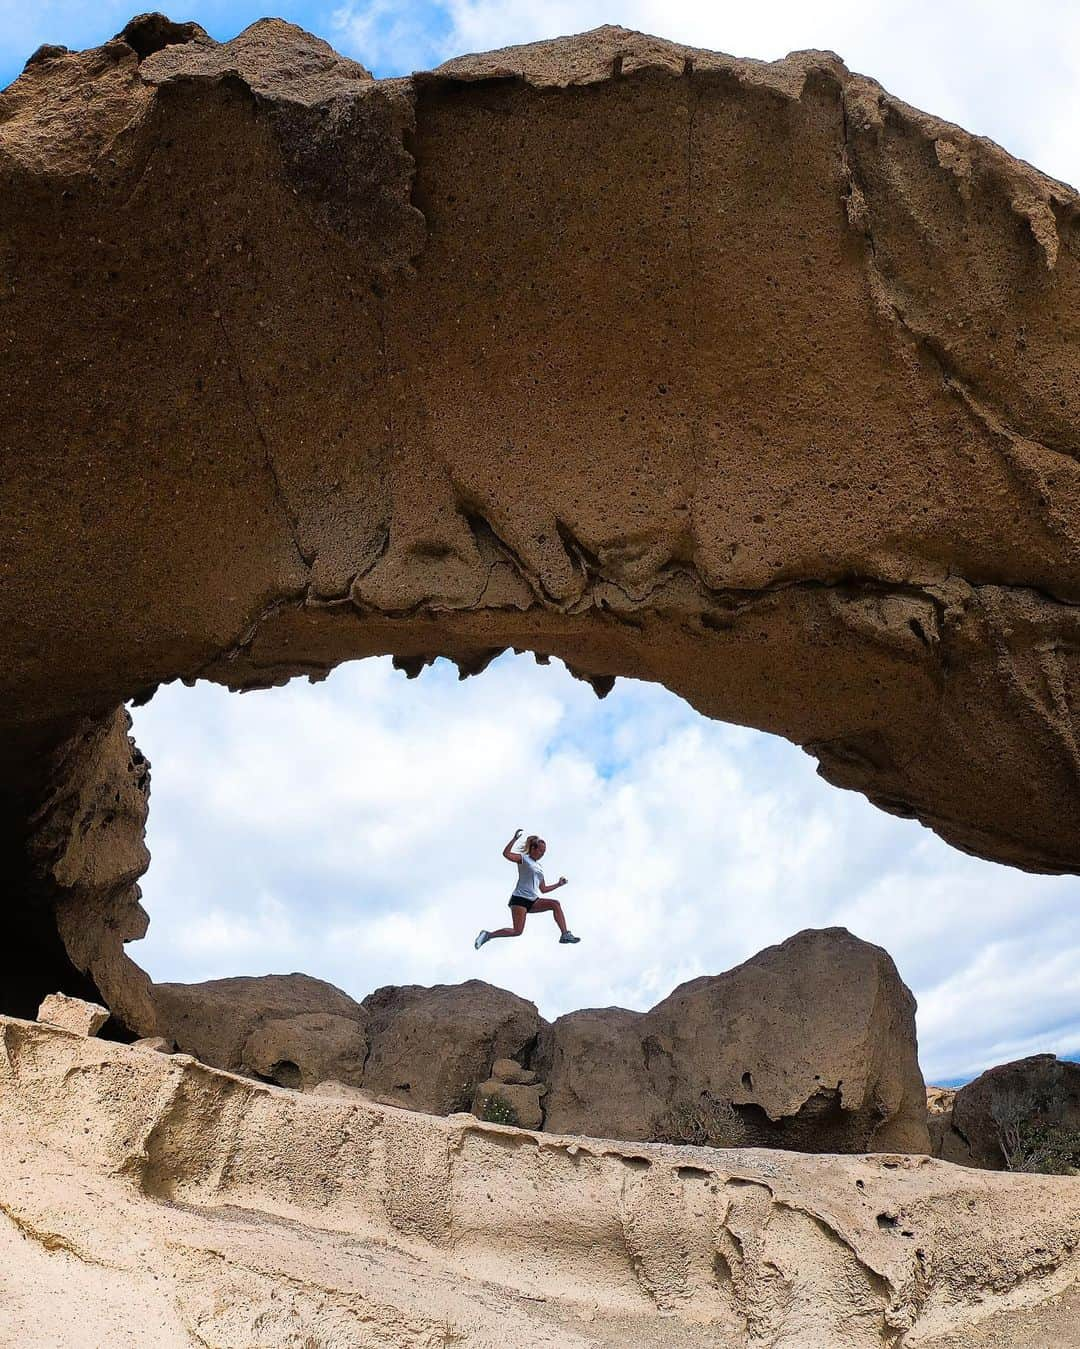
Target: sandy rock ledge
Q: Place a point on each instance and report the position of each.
(150, 1200)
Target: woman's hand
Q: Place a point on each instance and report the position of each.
(562, 880)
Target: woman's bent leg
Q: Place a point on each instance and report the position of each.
(553, 907)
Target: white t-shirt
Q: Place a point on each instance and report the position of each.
(530, 878)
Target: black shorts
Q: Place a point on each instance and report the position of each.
(526, 904)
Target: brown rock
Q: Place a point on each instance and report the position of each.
(507, 1070)
(1041, 1091)
(875, 556)
(302, 1051)
(812, 1042)
(521, 1100)
(83, 1018)
(431, 1046)
(214, 1020)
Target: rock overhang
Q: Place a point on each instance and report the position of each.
(742, 377)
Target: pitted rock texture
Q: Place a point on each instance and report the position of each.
(148, 1200)
(302, 1051)
(812, 1041)
(223, 1021)
(742, 377)
(81, 1018)
(430, 1047)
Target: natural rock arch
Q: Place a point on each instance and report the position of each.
(742, 377)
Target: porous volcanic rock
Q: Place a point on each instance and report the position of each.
(302, 1051)
(431, 1046)
(215, 1020)
(233, 1213)
(1040, 1090)
(523, 1100)
(742, 377)
(812, 1041)
(73, 1014)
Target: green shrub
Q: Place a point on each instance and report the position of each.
(703, 1122)
(1032, 1133)
(494, 1110)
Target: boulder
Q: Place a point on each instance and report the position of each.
(507, 1070)
(431, 1046)
(73, 1014)
(1026, 1113)
(520, 1101)
(809, 1045)
(214, 1020)
(302, 1051)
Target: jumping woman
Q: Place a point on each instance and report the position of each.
(530, 886)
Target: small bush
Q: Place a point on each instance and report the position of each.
(704, 1122)
(494, 1110)
(1032, 1134)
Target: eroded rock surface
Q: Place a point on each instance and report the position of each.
(746, 378)
(217, 1020)
(812, 1041)
(289, 1215)
(430, 1047)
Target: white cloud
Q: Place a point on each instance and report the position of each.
(353, 829)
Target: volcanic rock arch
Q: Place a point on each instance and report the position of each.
(742, 377)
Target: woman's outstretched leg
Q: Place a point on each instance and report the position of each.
(553, 907)
(518, 913)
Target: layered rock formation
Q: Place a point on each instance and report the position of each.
(145, 1199)
(812, 1042)
(742, 377)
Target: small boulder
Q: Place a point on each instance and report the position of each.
(302, 1051)
(508, 1070)
(1023, 1115)
(73, 1014)
(510, 1103)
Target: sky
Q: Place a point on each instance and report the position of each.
(353, 829)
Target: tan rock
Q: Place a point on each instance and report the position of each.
(285, 1211)
(907, 610)
(812, 1042)
(214, 1020)
(939, 1100)
(302, 1051)
(431, 1046)
(73, 1014)
(157, 1043)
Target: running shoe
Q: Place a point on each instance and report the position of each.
(483, 937)
(566, 939)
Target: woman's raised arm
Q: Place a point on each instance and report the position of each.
(508, 852)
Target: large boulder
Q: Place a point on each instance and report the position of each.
(430, 1047)
(809, 1045)
(215, 1020)
(302, 1051)
(1023, 1115)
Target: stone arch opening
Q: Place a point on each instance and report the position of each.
(697, 387)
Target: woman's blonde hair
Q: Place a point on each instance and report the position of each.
(533, 838)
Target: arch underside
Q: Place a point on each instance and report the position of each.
(743, 378)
